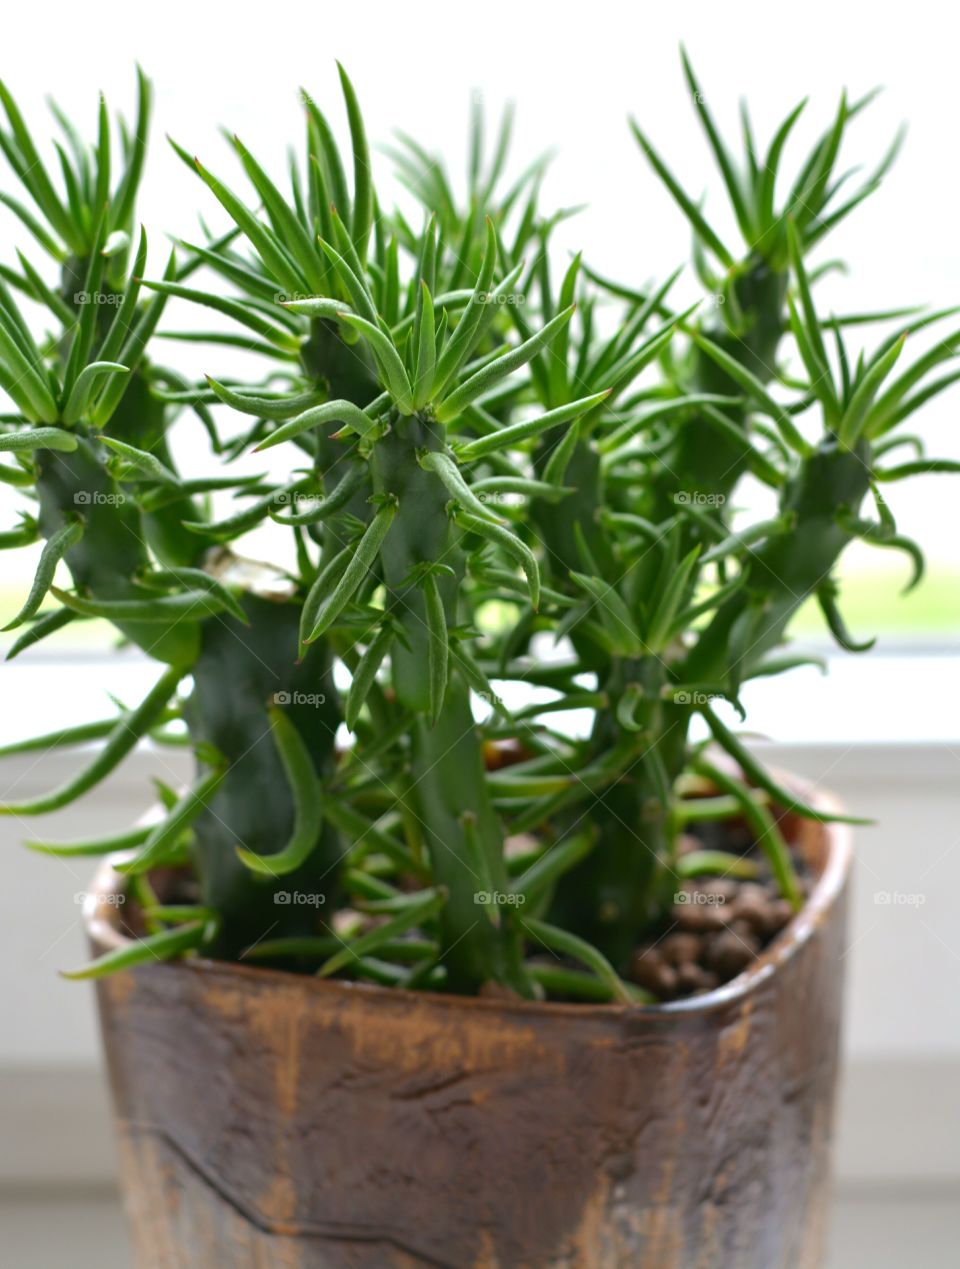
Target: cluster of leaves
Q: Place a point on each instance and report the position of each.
(478, 465)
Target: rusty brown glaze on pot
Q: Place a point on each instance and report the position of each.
(268, 1119)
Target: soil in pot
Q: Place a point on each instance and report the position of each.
(718, 925)
(717, 928)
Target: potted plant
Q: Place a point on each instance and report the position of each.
(409, 974)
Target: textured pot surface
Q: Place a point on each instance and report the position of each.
(269, 1119)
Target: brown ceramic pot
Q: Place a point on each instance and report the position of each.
(270, 1119)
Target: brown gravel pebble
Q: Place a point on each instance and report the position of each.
(780, 913)
(718, 925)
(753, 905)
(668, 982)
(742, 929)
(728, 952)
(698, 913)
(648, 969)
(680, 947)
(721, 889)
(691, 977)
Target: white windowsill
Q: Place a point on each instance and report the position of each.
(905, 698)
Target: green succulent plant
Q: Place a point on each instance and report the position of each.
(471, 465)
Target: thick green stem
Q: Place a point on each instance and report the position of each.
(240, 673)
(749, 326)
(482, 934)
(558, 523)
(421, 534)
(113, 548)
(626, 880)
(482, 941)
(142, 420)
(343, 368)
(787, 568)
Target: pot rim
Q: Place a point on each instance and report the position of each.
(99, 915)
